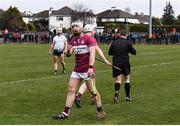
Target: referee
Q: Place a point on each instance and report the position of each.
(120, 50)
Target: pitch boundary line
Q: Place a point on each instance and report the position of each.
(49, 77)
(153, 65)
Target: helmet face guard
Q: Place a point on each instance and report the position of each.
(77, 28)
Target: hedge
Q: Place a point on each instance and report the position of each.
(137, 27)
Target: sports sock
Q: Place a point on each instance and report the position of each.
(127, 89)
(117, 87)
(63, 65)
(79, 95)
(67, 110)
(116, 94)
(55, 66)
(99, 109)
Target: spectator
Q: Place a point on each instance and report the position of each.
(1, 37)
(6, 34)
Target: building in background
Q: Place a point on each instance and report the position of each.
(116, 15)
(65, 15)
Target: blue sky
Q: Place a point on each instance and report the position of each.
(95, 5)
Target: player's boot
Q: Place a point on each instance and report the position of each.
(61, 115)
(116, 98)
(63, 72)
(77, 101)
(128, 99)
(93, 101)
(55, 73)
(101, 115)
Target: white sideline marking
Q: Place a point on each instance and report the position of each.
(160, 64)
(49, 77)
(25, 80)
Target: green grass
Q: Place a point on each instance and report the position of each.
(30, 94)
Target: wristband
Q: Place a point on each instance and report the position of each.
(90, 66)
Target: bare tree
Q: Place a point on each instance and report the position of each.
(136, 13)
(81, 13)
(79, 7)
(127, 9)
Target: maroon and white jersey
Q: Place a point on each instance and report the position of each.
(81, 46)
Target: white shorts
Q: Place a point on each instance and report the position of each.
(77, 75)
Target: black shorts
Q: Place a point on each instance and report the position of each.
(57, 52)
(125, 69)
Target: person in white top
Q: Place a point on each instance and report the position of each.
(58, 49)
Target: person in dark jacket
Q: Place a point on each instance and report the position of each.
(120, 50)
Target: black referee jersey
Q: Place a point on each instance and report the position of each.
(120, 50)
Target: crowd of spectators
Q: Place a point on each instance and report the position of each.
(43, 37)
(159, 36)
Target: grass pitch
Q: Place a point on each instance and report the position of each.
(31, 94)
